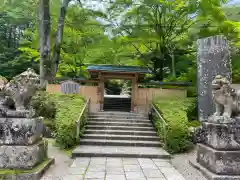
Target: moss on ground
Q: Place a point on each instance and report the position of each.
(24, 171)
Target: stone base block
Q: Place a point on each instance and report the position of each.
(221, 136)
(20, 131)
(34, 174)
(219, 162)
(209, 175)
(22, 157)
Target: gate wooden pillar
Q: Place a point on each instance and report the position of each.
(134, 93)
(101, 86)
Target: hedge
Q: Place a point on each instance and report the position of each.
(175, 112)
(63, 111)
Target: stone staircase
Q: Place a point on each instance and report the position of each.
(120, 134)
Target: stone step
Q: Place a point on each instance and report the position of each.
(116, 103)
(118, 109)
(100, 119)
(134, 128)
(121, 132)
(117, 106)
(116, 113)
(117, 117)
(120, 151)
(96, 123)
(121, 137)
(119, 143)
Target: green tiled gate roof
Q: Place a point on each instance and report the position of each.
(115, 68)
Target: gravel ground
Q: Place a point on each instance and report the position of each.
(181, 163)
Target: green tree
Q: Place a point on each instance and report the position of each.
(163, 32)
(15, 17)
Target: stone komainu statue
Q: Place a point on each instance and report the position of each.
(20, 89)
(226, 99)
(3, 82)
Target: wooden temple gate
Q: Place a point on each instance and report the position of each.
(106, 72)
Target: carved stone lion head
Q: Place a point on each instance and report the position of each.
(220, 82)
(28, 77)
(20, 89)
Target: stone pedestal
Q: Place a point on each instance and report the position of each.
(23, 152)
(213, 58)
(20, 131)
(218, 156)
(22, 147)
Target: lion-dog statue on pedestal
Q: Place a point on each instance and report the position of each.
(226, 99)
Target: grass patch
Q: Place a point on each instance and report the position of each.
(175, 111)
(23, 171)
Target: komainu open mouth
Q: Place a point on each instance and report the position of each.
(216, 86)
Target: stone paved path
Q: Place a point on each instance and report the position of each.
(119, 169)
(62, 162)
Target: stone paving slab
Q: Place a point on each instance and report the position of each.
(120, 151)
(104, 168)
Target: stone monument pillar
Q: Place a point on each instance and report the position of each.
(23, 153)
(218, 152)
(213, 58)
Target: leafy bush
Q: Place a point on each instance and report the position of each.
(190, 107)
(194, 123)
(190, 75)
(67, 111)
(192, 91)
(149, 85)
(174, 111)
(44, 105)
(236, 76)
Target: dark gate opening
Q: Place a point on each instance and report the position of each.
(117, 103)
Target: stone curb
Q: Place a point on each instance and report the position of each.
(209, 175)
(154, 156)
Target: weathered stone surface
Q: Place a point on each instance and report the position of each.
(221, 136)
(20, 131)
(209, 175)
(198, 134)
(9, 113)
(30, 176)
(22, 157)
(3, 82)
(213, 58)
(219, 162)
(20, 89)
(47, 132)
(21, 145)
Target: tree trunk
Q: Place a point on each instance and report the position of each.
(173, 65)
(59, 36)
(44, 32)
